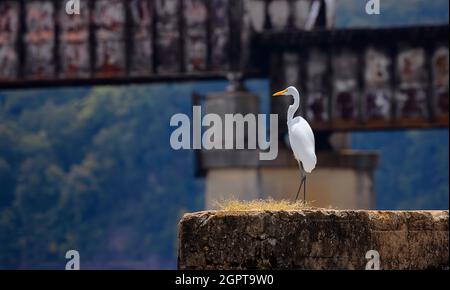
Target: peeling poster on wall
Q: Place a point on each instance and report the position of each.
(9, 29)
(196, 38)
(316, 83)
(142, 51)
(440, 68)
(345, 85)
(411, 73)
(39, 39)
(74, 47)
(220, 35)
(109, 18)
(377, 93)
(168, 36)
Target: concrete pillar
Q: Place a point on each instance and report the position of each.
(342, 180)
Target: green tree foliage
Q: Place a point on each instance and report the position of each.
(92, 170)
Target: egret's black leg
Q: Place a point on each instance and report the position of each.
(300, 187)
(304, 192)
(302, 178)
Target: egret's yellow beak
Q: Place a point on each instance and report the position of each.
(280, 93)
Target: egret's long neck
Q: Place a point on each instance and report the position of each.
(293, 108)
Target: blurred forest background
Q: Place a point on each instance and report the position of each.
(91, 168)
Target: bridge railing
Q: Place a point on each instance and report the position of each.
(350, 79)
(134, 40)
(362, 78)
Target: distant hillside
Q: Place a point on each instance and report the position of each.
(413, 170)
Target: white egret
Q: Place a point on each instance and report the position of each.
(301, 138)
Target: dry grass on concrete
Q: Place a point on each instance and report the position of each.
(262, 205)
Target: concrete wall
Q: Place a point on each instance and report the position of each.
(313, 239)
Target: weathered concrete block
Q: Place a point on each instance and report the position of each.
(313, 239)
